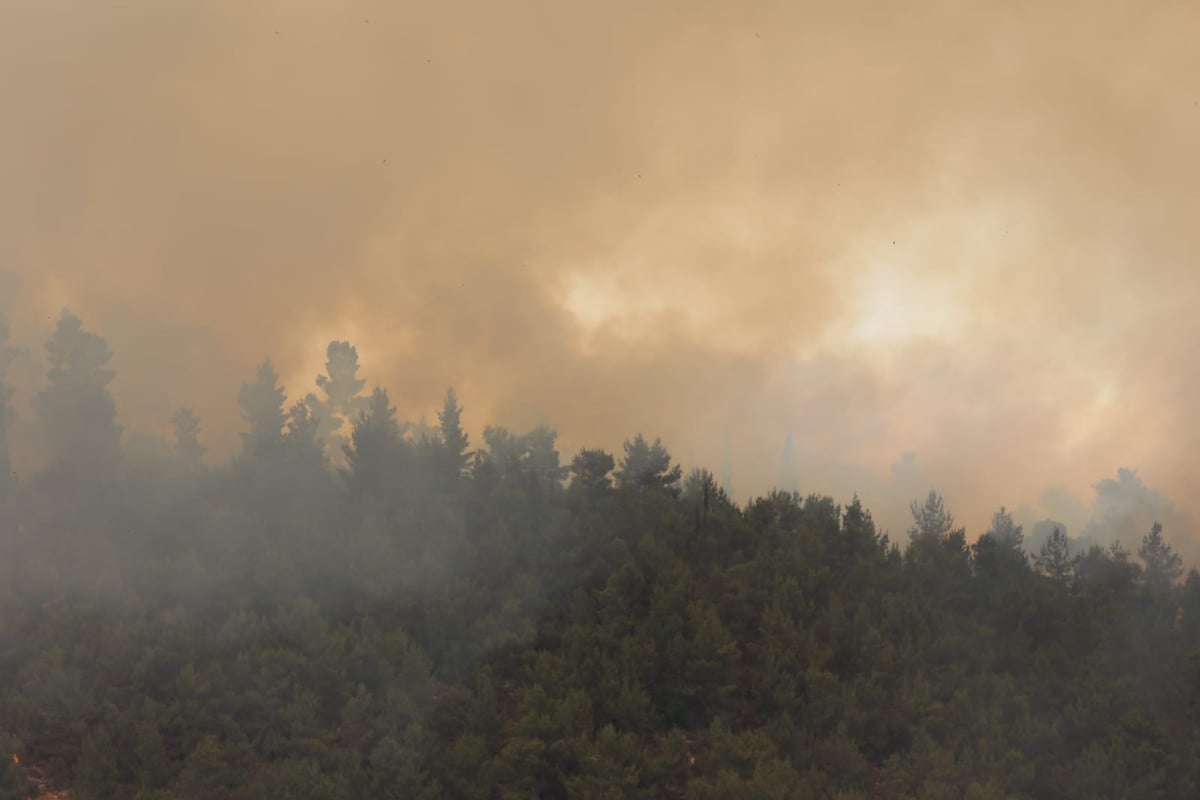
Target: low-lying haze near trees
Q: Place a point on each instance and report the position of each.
(357, 605)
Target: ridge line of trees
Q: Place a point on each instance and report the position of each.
(379, 609)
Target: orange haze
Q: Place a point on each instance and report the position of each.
(964, 230)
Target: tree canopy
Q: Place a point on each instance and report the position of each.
(422, 621)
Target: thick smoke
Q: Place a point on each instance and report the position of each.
(960, 231)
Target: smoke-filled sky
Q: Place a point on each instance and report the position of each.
(960, 230)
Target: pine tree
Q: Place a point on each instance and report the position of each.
(373, 454)
(647, 464)
(858, 539)
(1001, 548)
(591, 469)
(96, 772)
(1163, 564)
(301, 446)
(1054, 559)
(261, 402)
(454, 439)
(342, 387)
(938, 551)
(931, 519)
(187, 437)
(541, 458)
(154, 766)
(700, 490)
(77, 410)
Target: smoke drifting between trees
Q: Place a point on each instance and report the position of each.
(359, 606)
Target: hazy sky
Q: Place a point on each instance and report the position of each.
(963, 230)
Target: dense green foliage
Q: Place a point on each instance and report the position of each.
(427, 621)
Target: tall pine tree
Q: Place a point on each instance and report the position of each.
(77, 411)
(1163, 564)
(454, 439)
(373, 456)
(261, 402)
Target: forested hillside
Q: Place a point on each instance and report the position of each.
(358, 607)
